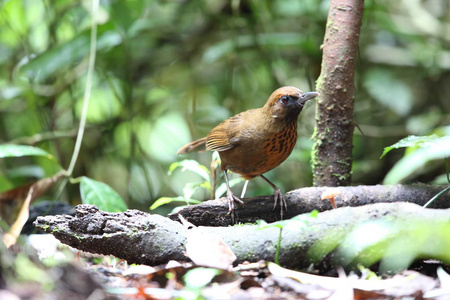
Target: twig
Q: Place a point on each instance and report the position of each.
(87, 91)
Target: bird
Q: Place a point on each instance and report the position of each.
(255, 141)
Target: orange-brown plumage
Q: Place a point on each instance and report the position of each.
(255, 141)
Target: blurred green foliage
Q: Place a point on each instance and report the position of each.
(394, 243)
(169, 71)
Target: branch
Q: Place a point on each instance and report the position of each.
(215, 212)
(152, 239)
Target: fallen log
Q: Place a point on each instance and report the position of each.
(304, 200)
(142, 238)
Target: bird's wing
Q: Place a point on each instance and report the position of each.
(218, 141)
(225, 135)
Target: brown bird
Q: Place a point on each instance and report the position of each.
(255, 141)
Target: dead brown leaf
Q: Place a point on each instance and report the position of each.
(205, 249)
(15, 205)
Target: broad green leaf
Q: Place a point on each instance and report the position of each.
(101, 195)
(413, 141)
(10, 150)
(412, 162)
(191, 165)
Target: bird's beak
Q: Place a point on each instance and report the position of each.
(308, 96)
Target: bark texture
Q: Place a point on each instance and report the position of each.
(332, 152)
(151, 239)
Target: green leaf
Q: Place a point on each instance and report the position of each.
(166, 200)
(413, 141)
(10, 150)
(101, 195)
(191, 165)
(411, 163)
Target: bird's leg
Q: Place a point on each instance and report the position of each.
(231, 197)
(278, 197)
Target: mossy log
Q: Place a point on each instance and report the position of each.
(143, 238)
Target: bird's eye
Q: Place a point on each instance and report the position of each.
(284, 99)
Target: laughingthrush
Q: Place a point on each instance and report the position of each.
(255, 141)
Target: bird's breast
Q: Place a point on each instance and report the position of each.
(279, 146)
(261, 153)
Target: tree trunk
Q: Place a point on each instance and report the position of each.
(332, 152)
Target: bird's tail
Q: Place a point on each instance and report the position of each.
(195, 146)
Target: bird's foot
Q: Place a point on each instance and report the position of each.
(231, 204)
(279, 198)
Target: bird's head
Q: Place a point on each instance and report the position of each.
(287, 102)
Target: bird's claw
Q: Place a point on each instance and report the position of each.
(231, 200)
(279, 198)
